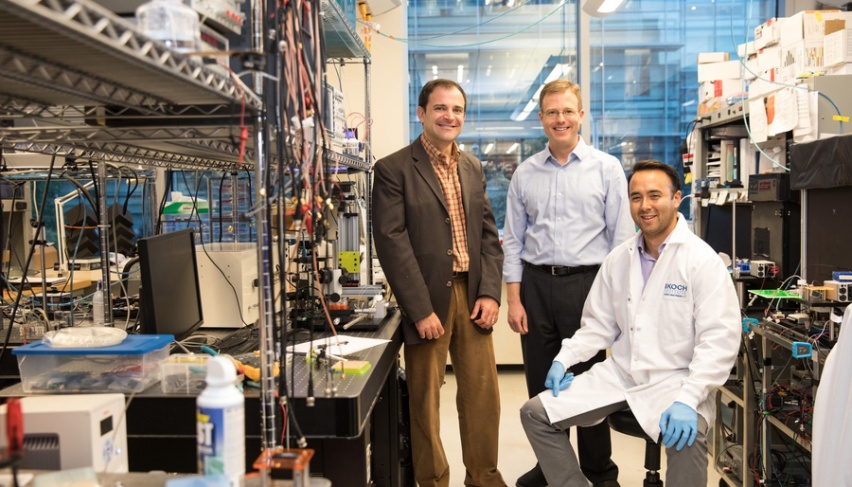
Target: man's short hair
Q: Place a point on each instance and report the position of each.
(558, 86)
(430, 86)
(654, 165)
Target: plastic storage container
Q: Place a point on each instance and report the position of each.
(183, 373)
(172, 22)
(130, 366)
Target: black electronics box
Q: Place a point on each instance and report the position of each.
(776, 234)
(771, 187)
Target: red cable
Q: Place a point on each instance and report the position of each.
(14, 427)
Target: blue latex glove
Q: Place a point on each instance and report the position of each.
(557, 379)
(679, 423)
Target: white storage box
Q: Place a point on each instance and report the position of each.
(721, 88)
(130, 366)
(808, 25)
(723, 70)
(767, 33)
(838, 43)
(713, 57)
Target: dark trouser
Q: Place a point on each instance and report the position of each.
(554, 306)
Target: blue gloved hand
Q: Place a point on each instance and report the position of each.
(679, 423)
(557, 379)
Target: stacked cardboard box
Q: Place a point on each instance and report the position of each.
(803, 41)
(719, 78)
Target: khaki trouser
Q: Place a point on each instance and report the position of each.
(477, 400)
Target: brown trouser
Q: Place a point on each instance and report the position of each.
(477, 399)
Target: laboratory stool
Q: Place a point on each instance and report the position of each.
(625, 423)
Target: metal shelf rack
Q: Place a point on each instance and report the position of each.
(76, 80)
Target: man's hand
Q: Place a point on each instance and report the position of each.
(679, 423)
(517, 313)
(518, 318)
(430, 327)
(557, 379)
(485, 311)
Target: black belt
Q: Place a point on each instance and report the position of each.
(563, 270)
(459, 275)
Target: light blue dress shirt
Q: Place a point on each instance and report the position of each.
(647, 262)
(567, 215)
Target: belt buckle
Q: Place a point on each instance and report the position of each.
(554, 270)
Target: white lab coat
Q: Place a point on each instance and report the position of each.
(832, 430)
(674, 340)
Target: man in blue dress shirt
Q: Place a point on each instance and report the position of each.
(567, 207)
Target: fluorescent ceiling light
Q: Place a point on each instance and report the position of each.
(559, 71)
(526, 111)
(512, 148)
(601, 8)
(460, 75)
(434, 69)
(556, 67)
(488, 148)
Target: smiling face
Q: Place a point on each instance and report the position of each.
(653, 205)
(443, 117)
(561, 117)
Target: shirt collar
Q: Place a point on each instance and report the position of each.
(641, 246)
(580, 152)
(435, 155)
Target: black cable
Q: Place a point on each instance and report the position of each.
(7, 244)
(15, 475)
(168, 176)
(146, 230)
(83, 190)
(131, 191)
(95, 186)
(26, 268)
(750, 361)
(189, 192)
(194, 210)
(250, 203)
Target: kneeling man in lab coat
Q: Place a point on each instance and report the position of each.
(666, 306)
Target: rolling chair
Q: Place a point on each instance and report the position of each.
(625, 423)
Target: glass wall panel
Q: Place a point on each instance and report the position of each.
(643, 76)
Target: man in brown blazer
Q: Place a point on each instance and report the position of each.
(438, 245)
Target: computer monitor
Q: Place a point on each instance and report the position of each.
(170, 297)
